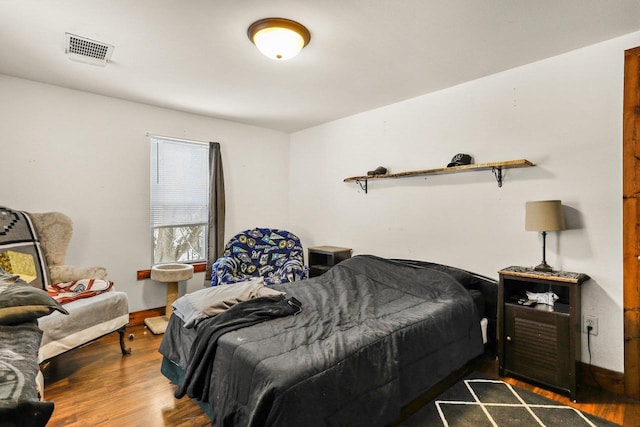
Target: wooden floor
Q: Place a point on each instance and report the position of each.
(610, 406)
(97, 386)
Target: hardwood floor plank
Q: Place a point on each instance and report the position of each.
(96, 386)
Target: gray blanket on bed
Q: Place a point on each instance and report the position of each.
(372, 336)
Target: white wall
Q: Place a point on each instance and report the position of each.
(88, 156)
(564, 114)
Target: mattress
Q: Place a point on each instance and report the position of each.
(88, 319)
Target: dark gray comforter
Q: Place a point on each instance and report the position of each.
(373, 335)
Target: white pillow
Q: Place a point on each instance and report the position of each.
(196, 306)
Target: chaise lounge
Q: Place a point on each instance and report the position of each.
(34, 246)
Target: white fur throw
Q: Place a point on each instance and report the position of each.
(54, 230)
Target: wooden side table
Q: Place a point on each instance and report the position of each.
(540, 342)
(322, 258)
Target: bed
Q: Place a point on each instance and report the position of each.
(372, 335)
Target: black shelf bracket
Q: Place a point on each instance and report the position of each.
(497, 171)
(363, 186)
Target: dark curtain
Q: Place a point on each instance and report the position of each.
(216, 209)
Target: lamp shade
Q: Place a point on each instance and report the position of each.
(544, 215)
(278, 38)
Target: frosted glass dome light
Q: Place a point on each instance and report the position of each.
(278, 38)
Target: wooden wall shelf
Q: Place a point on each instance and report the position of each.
(495, 167)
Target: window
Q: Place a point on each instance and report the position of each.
(179, 200)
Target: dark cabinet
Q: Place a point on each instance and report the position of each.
(322, 258)
(540, 342)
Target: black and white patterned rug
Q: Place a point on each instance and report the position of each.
(477, 401)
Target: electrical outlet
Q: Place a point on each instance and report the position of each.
(590, 321)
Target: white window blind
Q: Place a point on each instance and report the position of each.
(179, 196)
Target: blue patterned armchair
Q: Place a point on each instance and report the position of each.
(275, 255)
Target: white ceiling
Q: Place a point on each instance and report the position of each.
(194, 55)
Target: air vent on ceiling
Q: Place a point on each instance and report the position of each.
(86, 50)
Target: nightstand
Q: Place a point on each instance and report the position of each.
(322, 258)
(539, 343)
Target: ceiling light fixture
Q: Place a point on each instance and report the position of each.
(279, 38)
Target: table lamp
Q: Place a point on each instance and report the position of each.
(544, 215)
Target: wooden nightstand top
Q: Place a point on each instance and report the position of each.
(558, 276)
(329, 249)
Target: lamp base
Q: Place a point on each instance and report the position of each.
(543, 266)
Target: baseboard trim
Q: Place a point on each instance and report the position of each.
(137, 317)
(609, 380)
